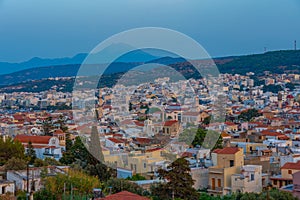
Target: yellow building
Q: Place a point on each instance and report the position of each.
(227, 161)
(139, 162)
(286, 177)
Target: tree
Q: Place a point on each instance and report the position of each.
(48, 126)
(46, 162)
(15, 164)
(136, 177)
(180, 182)
(30, 153)
(249, 115)
(74, 180)
(62, 123)
(9, 149)
(80, 155)
(118, 185)
(205, 138)
(206, 120)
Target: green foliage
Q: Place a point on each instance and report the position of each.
(272, 88)
(205, 138)
(180, 182)
(21, 195)
(30, 153)
(118, 185)
(15, 164)
(136, 177)
(46, 162)
(249, 115)
(74, 180)
(206, 120)
(62, 123)
(48, 126)
(78, 154)
(44, 195)
(258, 63)
(290, 86)
(10, 149)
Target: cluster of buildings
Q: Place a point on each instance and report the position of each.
(139, 128)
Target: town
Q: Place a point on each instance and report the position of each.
(136, 132)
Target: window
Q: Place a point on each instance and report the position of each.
(231, 163)
(213, 183)
(275, 182)
(289, 171)
(219, 182)
(145, 165)
(252, 177)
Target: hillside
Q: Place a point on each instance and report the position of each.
(276, 62)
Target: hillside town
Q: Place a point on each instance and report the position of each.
(139, 130)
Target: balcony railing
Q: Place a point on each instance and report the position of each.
(216, 170)
(215, 189)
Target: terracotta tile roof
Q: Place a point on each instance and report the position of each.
(138, 123)
(58, 131)
(230, 123)
(125, 195)
(270, 133)
(187, 154)
(33, 139)
(227, 150)
(142, 140)
(170, 123)
(291, 165)
(283, 137)
(224, 135)
(115, 140)
(155, 149)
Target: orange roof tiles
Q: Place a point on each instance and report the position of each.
(170, 123)
(115, 140)
(291, 165)
(125, 195)
(33, 139)
(227, 150)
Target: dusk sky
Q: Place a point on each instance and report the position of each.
(60, 28)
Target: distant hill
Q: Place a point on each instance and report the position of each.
(6, 68)
(277, 62)
(59, 71)
(274, 61)
(105, 57)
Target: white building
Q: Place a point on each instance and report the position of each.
(249, 180)
(44, 146)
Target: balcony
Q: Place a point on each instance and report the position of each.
(49, 154)
(215, 189)
(214, 170)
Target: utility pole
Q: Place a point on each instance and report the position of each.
(71, 191)
(173, 195)
(64, 190)
(27, 182)
(295, 45)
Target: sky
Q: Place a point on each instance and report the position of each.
(64, 28)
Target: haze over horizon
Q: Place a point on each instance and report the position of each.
(55, 29)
